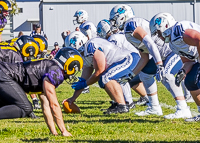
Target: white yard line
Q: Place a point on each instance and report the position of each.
(164, 105)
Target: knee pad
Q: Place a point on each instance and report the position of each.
(134, 81)
(169, 82)
(149, 82)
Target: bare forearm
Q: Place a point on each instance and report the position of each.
(50, 94)
(57, 114)
(94, 78)
(141, 64)
(47, 114)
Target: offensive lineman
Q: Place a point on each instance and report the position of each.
(110, 64)
(183, 38)
(167, 63)
(119, 39)
(86, 27)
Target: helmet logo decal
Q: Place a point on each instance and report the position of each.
(34, 45)
(80, 13)
(4, 5)
(69, 61)
(121, 10)
(73, 41)
(158, 21)
(41, 44)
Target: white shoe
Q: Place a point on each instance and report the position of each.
(180, 113)
(151, 110)
(189, 99)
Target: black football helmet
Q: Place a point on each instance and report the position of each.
(43, 45)
(70, 60)
(28, 47)
(42, 42)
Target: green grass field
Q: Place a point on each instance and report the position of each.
(93, 126)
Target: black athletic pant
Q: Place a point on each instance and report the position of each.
(13, 100)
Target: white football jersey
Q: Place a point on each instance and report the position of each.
(111, 52)
(84, 27)
(163, 47)
(129, 28)
(177, 44)
(119, 39)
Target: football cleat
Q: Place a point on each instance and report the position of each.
(143, 101)
(130, 106)
(36, 104)
(180, 113)
(118, 109)
(151, 110)
(189, 99)
(194, 119)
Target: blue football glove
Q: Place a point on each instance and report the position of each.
(80, 84)
(160, 73)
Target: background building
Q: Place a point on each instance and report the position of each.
(56, 16)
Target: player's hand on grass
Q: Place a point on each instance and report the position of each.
(66, 134)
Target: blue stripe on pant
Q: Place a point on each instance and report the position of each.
(172, 64)
(119, 69)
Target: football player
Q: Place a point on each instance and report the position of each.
(9, 52)
(184, 39)
(37, 76)
(112, 66)
(164, 64)
(43, 45)
(86, 27)
(119, 39)
(5, 6)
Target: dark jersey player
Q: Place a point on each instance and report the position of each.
(37, 76)
(19, 50)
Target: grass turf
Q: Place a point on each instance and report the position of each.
(93, 126)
